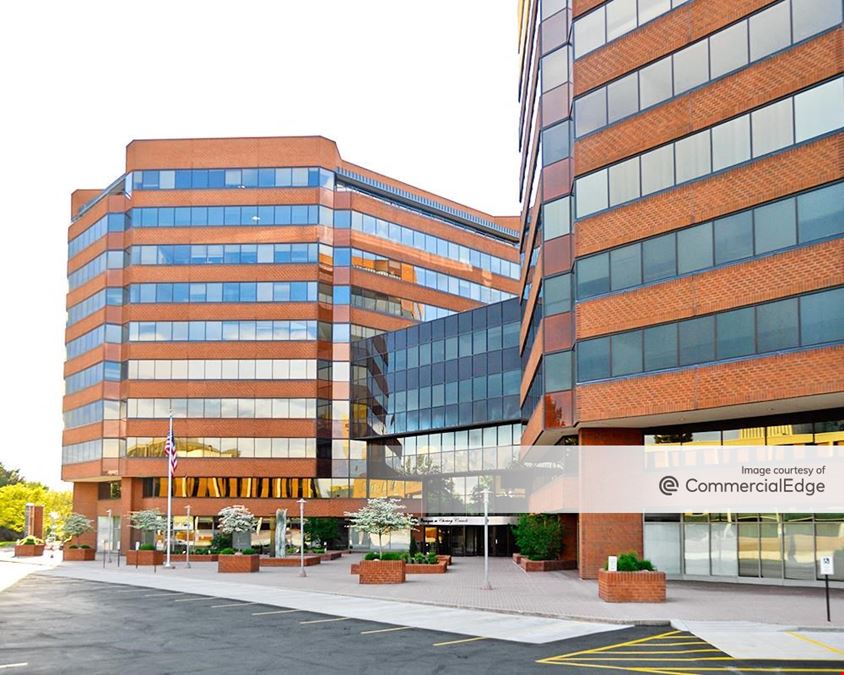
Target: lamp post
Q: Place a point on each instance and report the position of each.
(188, 540)
(302, 572)
(486, 585)
(110, 523)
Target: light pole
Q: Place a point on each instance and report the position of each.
(302, 572)
(486, 586)
(188, 540)
(110, 523)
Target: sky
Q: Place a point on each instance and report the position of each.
(422, 91)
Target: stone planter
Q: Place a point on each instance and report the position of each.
(144, 557)
(413, 568)
(631, 586)
(79, 554)
(28, 550)
(381, 571)
(238, 563)
(291, 561)
(542, 565)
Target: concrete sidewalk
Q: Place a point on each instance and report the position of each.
(548, 594)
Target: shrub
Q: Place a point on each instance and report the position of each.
(372, 555)
(630, 562)
(322, 530)
(201, 551)
(414, 548)
(432, 559)
(220, 541)
(146, 547)
(392, 555)
(30, 541)
(227, 551)
(539, 537)
(248, 551)
(84, 546)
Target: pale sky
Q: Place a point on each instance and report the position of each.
(422, 91)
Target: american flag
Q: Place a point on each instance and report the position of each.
(170, 449)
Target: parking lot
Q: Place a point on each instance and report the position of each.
(50, 624)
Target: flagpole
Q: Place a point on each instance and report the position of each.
(169, 493)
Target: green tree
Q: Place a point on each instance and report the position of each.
(321, 530)
(9, 476)
(539, 537)
(13, 500)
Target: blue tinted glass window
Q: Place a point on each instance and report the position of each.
(775, 226)
(821, 213)
(733, 237)
(216, 178)
(555, 143)
(626, 267)
(627, 353)
(183, 179)
(557, 372)
(199, 179)
(660, 347)
(736, 333)
(697, 340)
(822, 317)
(694, 248)
(593, 359)
(777, 325)
(593, 276)
(659, 258)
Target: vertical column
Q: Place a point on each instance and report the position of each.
(604, 534)
(34, 518)
(85, 502)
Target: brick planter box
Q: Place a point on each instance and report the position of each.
(542, 565)
(631, 586)
(413, 568)
(517, 558)
(331, 555)
(194, 557)
(144, 557)
(444, 558)
(381, 571)
(291, 561)
(28, 550)
(238, 563)
(79, 554)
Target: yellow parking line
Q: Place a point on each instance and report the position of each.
(457, 642)
(277, 611)
(668, 651)
(384, 630)
(597, 650)
(339, 618)
(817, 643)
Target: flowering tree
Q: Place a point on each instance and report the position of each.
(236, 518)
(148, 520)
(75, 525)
(382, 516)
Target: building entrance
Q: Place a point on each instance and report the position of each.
(468, 540)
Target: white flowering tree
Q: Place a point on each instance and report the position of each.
(235, 519)
(382, 516)
(75, 525)
(148, 522)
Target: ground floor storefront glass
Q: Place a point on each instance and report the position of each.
(759, 545)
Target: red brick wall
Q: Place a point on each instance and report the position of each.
(765, 81)
(604, 534)
(381, 571)
(769, 378)
(659, 37)
(631, 586)
(800, 168)
(780, 275)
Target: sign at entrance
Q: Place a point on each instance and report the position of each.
(826, 565)
(467, 520)
(612, 563)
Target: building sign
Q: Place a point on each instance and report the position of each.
(467, 520)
